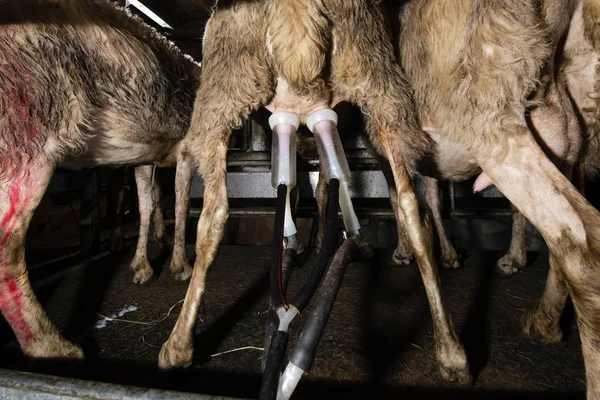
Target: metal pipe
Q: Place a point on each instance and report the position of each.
(27, 385)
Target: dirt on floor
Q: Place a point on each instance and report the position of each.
(378, 343)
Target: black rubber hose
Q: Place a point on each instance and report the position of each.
(275, 282)
(288, 264)
(304, 352)
(329, 239)
(270, 381)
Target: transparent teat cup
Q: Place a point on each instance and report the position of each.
(331, 153)
(323, 124)
(283, 151)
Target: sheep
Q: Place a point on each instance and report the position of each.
(555, 125)
(82, 84)
(299, 56)
(473, 66)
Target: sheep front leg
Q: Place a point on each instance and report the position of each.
(543, 323)
(402, 255)
(432, 196)
(159, 234)
(20, 193)
(142, 271)
(516, 258)
(179, 265)
(177, 351)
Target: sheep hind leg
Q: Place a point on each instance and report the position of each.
(569, 225)
(177, 351)
(384, 96)
(557, 130)
(234, 71)
(450, 352)
(21, 194)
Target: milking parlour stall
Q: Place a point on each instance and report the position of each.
(306, 199)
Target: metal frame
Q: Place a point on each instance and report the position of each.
(30, 386)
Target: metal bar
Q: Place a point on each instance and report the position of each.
(257, 185)
(262, 213)
(481, 213)
(29, 386)
(262, 157)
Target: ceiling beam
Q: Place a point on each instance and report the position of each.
(148, 13)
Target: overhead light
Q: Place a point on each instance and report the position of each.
(147, 12)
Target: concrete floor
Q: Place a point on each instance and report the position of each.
(378, 343)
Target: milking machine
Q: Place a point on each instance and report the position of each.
(334, 166)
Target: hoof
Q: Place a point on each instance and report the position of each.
(453, 363)
(163, 240)
(461, 375)
(181, 270)
(451, 262)
(535, 325)
(400, 260)
(57, 348)
(510, 265)
(142, 271)
(172, 357)
(72, 352)
(184, 275)
(365, 250)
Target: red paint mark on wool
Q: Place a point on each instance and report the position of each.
(14, 196)
(10, 292)
(12, 307)
(21, 139)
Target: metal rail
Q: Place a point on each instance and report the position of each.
(29, 386)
